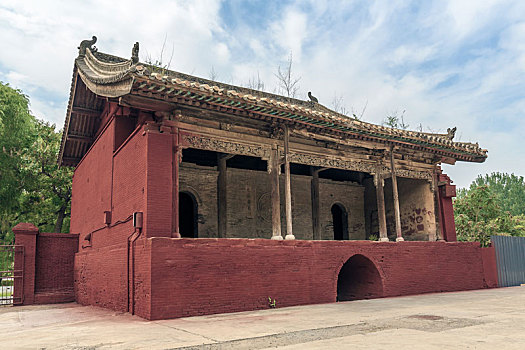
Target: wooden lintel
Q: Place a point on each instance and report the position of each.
(146, 103)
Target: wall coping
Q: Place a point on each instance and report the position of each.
(59, 235)
(25, 228)
(298, 242)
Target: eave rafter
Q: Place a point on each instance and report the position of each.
(95, 113)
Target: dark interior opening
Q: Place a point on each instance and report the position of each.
(340, 222)
(209, 158)
(359, 279)
(188, 212)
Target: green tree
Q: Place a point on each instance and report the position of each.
(47, 199)
(508, 189)
(32, 186)
(17, 127)
(394, 120)
(484, 209)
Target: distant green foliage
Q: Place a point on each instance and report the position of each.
(32, 187)
(394, 120)
(492, 205)
(508, 189)
(16, 136)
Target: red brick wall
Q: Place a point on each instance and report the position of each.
(186, 277)
(205, 276)
(158, 213)
(91, 191)
(109, 181)
(101, 277)
(48, 265)
(55, 254)
(490, 267)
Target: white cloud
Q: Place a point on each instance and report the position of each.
(468, 16)
(291, 31)
(460, 63)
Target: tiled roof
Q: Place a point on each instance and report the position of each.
(112, 76)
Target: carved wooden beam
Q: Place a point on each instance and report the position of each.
(218, 145)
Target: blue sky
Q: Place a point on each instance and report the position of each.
(444, 63)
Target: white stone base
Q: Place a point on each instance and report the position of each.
(289, 237)
(384, 239)
(399, 239)
(277, 238)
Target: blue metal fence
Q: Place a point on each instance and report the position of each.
(510, 258)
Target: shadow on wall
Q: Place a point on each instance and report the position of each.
(359, 279)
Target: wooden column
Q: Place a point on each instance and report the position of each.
(273, 170)
(314, 186)
(177, 158)
(287, 186)
(222, 191)
(381, 213)
(316, 224)
(397, 214)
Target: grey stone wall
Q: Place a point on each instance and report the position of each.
(249, 203)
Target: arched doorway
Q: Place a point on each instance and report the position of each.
(340, 222)
(188, 212)
(359, 279)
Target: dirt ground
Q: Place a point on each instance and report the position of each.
(482, 319)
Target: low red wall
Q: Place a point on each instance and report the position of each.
(47, 263)
(205, 276)
(102, 277)
(186, 277)
(490, 267)
(54, 266)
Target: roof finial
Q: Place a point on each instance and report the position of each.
(87, 44)
(312, 97)
(451, 133)
(135, 53)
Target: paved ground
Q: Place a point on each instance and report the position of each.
(483, 319)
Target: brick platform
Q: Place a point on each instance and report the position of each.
(186, 277)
